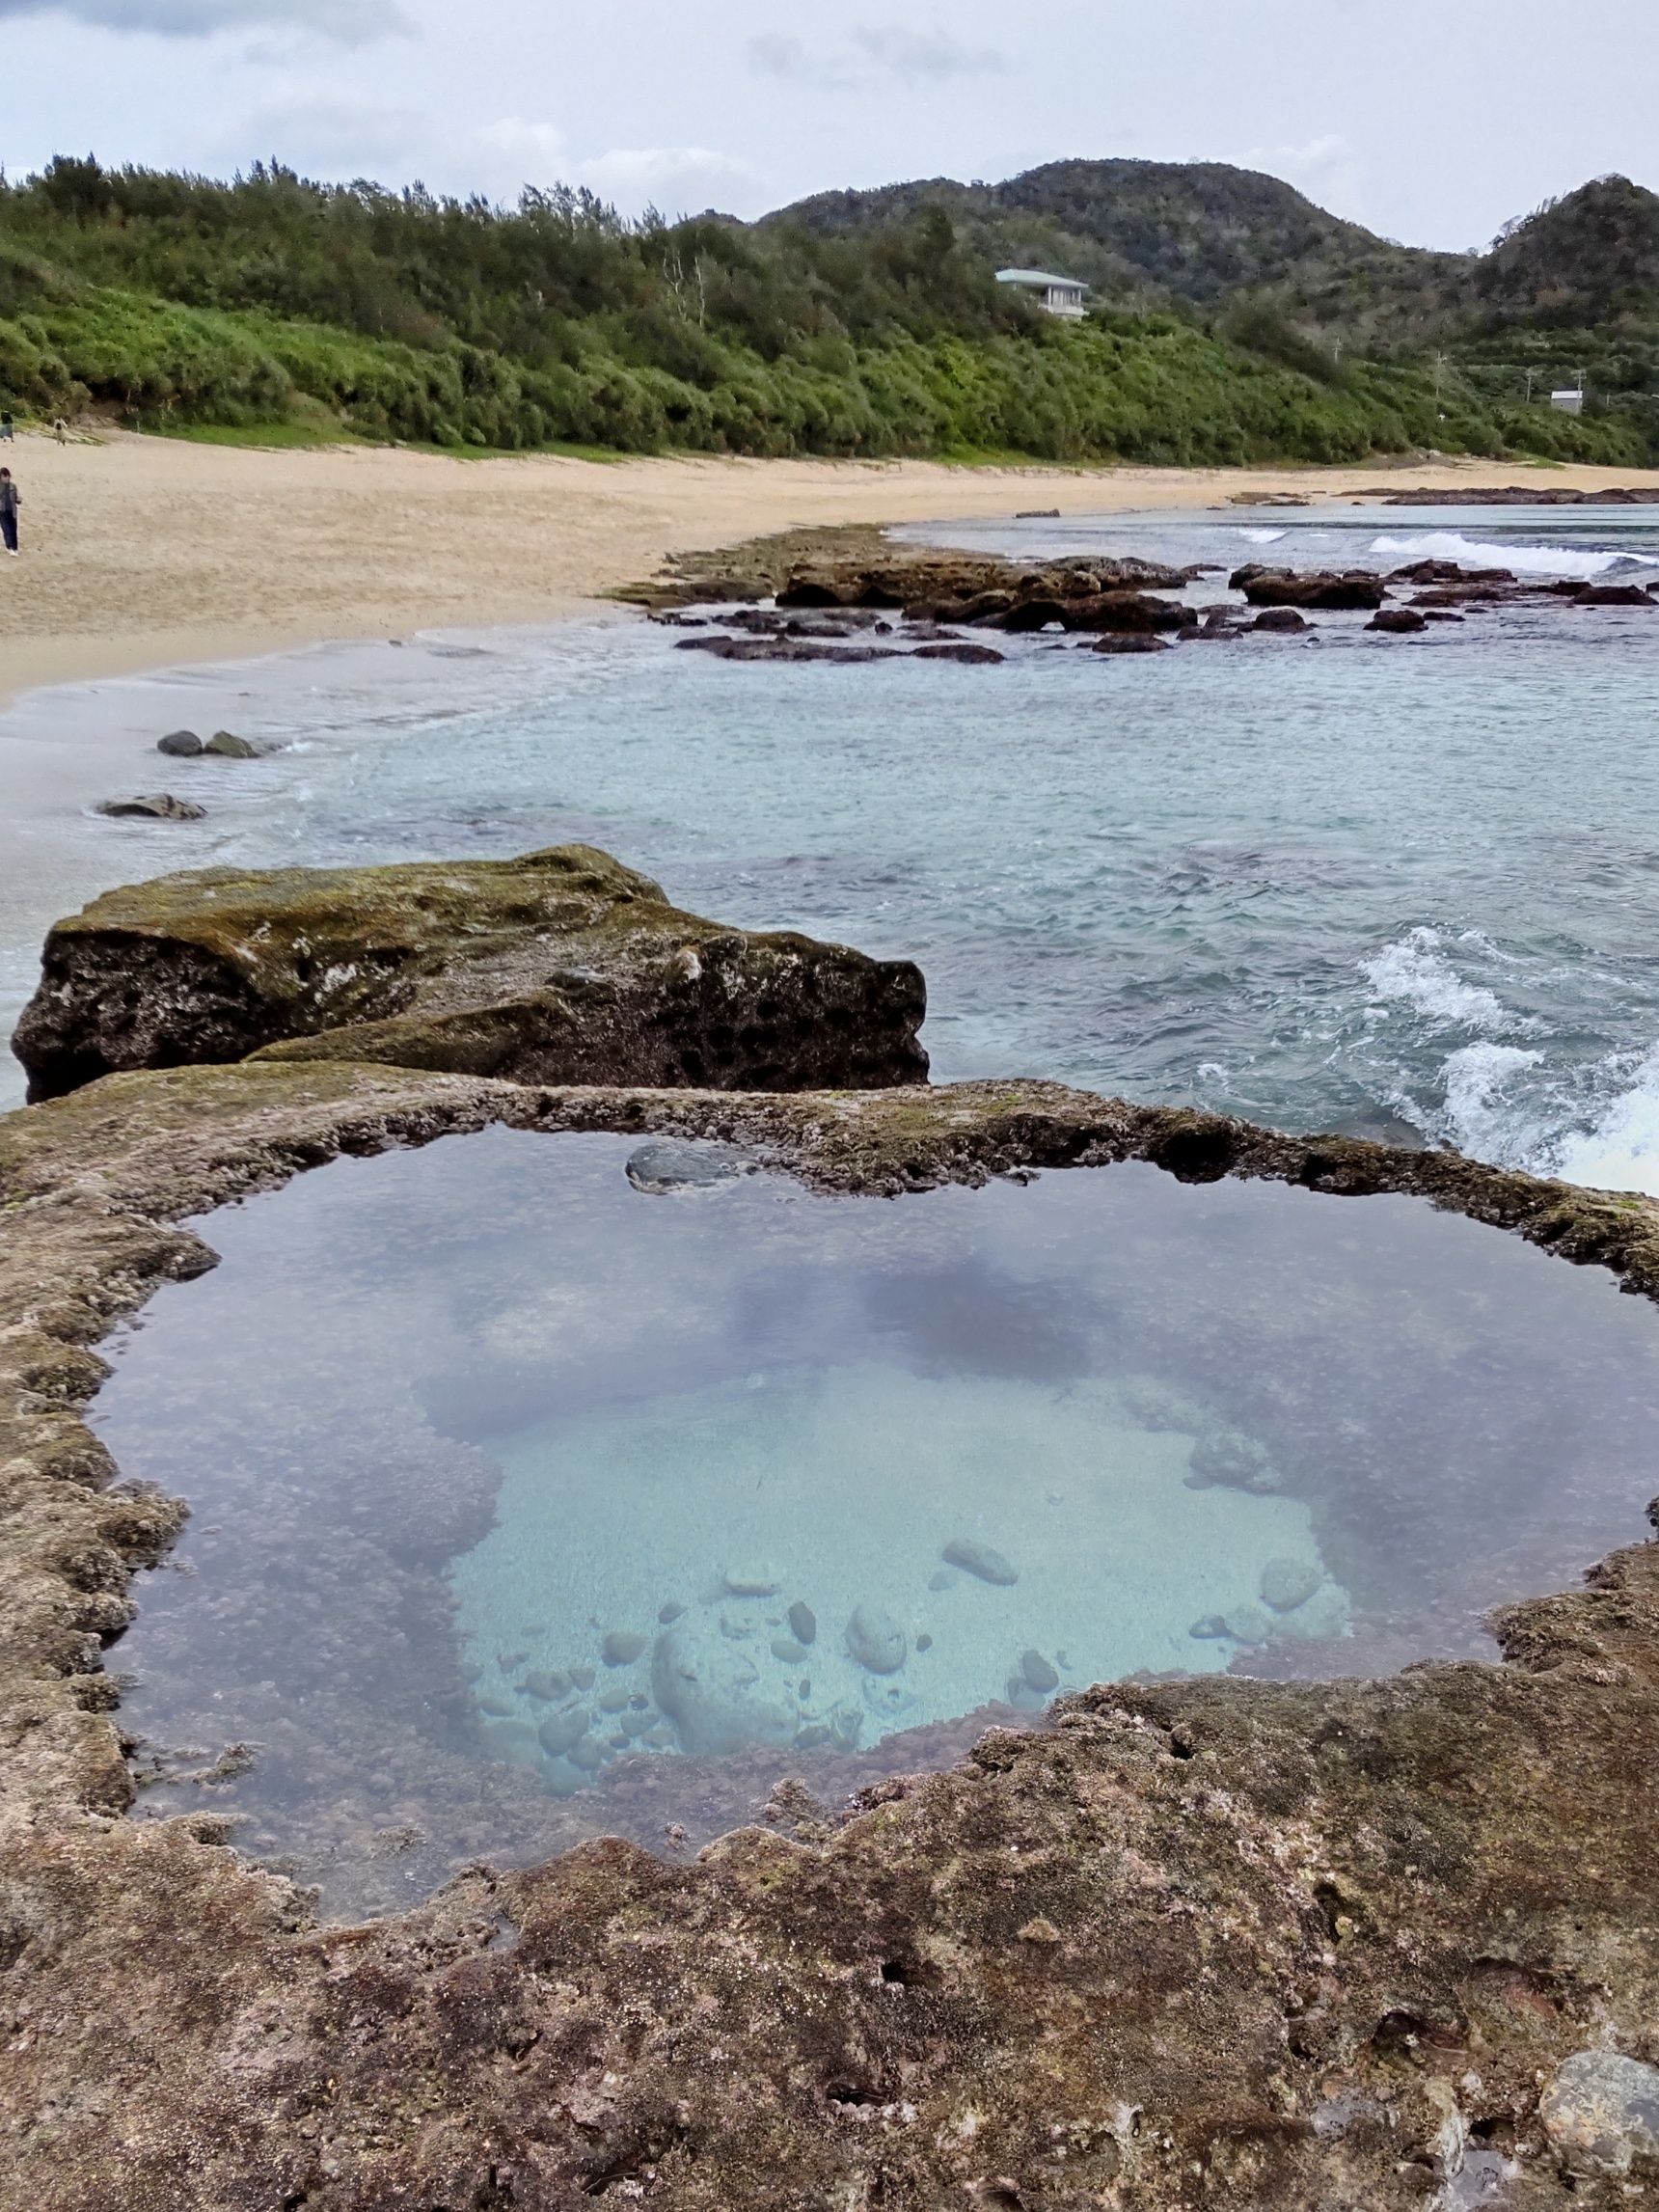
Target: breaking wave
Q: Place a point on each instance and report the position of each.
(1415, 971)
(1525, 560)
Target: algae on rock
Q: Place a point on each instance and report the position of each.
(561, 965)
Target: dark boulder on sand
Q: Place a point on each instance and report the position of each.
(562, 967)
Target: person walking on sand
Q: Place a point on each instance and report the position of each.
(61, 431)
(11, 499)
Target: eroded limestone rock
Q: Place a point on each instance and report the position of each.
(560, 966)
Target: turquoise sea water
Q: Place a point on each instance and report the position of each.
(1405, 886)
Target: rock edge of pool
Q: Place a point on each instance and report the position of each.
(1214, 1942)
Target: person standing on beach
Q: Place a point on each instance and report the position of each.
(11, 499)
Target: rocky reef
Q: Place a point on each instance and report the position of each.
(1226, 1944)
(560, 966)
(851, 597)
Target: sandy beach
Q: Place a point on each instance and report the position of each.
(145, 553)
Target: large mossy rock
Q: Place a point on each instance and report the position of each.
(562, 967)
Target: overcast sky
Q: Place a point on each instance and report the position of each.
(1431, 120)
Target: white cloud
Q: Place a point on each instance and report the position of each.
(1325, 168)
(350, 21)
(679, 179)
(870, 53)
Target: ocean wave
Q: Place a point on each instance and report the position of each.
(1621, 1149)
(1480, 1116)
(1414, 971)
(1524, 559)
(1263, 536)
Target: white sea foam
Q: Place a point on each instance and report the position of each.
(1414, 971)
(1620, 1151)
(1524, 559)
(1481, 1115)
(1263, 536)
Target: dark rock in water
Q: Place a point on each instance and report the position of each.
(546, 1684)
(669, 1165)
(1448, 572)
(1285, 618)
(668, 1614)
(562, 967)
(1356, 587)
(782, 650)
(153, 806)
(1397, 620)
(560, 1732)
(875, 1639)
(622, 1647)
(226, 745)
(981, 1560)
(1208, 1628)
(1131, 643)
(713, 1691)
(1121, 612)
(1039, 1673)
(1442, 615)
(802, 1623)
(1611, 595)
(181, 745)
(1038, 515)
(1601, 2111)
(970, 655)
(1287, 1583)
(1029, 614)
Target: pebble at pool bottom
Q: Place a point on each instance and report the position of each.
(826, 1557)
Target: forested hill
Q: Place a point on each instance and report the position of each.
(1233, 321)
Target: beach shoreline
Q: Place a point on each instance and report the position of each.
(144, 554)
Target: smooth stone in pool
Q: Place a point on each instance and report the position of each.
(561, 1778)
(1231, 1461)
(636, 1724)
(802, 1623)
(981, 1560)
(1208, 1628)
(561, 1729)
(498, 1708)
(1287, 1583)
(668, 1614)
(587, 1753)
(582, 1676)
(786, 1649)
(515, 1742)
(875, 1639)
(751, 1578)
(1039, 1673)
(622, 1647)
(657, 1168)
(545, 1685)
(179, 745)
(613, 1701)
(1249, 1625)
(713, 1691)
(943, 1578)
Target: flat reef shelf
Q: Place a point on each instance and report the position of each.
(1219, 1939)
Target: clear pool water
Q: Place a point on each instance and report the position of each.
(547, 1486)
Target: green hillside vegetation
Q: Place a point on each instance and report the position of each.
(861, 325)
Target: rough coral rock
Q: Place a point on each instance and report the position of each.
(560, 966)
